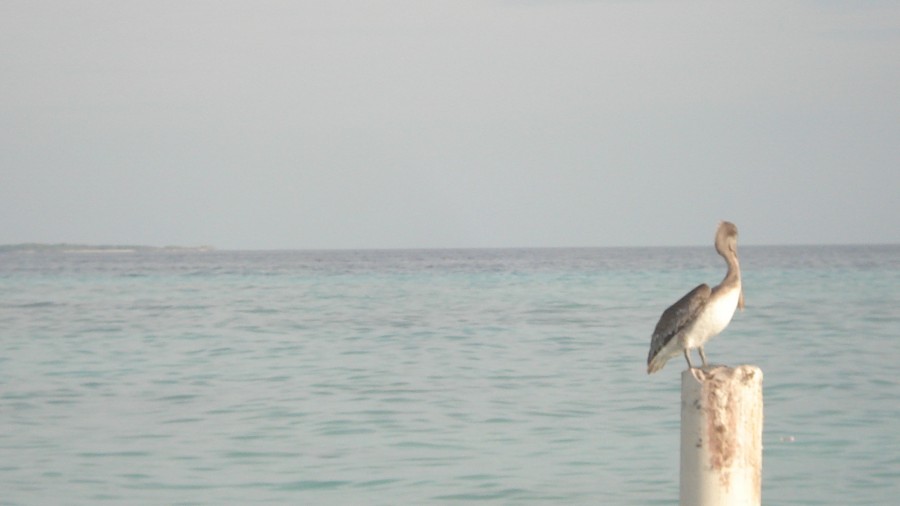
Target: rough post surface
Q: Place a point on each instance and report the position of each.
(721, 436)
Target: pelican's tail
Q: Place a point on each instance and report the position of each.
(656, 362)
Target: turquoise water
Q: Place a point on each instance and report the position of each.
(429, 377)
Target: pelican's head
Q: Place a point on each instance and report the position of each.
(726, 238)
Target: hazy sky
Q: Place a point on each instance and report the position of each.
(458, 123)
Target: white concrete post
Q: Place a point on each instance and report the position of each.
(721, 436)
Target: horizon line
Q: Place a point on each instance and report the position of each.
(111, 247)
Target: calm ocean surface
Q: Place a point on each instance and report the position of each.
(429, 377)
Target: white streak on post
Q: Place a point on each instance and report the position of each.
(721, 436)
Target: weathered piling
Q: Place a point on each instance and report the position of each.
(721, 436)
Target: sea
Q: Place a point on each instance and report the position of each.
(418, 377)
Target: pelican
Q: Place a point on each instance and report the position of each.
(702, 313)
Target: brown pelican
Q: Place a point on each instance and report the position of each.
(702, 313)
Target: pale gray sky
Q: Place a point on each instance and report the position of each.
(457, 123)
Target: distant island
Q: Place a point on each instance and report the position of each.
(103, 248)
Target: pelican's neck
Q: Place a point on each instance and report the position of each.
(733, 276)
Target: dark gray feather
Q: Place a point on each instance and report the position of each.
(678, 316)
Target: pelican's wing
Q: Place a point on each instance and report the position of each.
(677, 317)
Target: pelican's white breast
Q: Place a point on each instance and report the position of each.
(714, 317)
